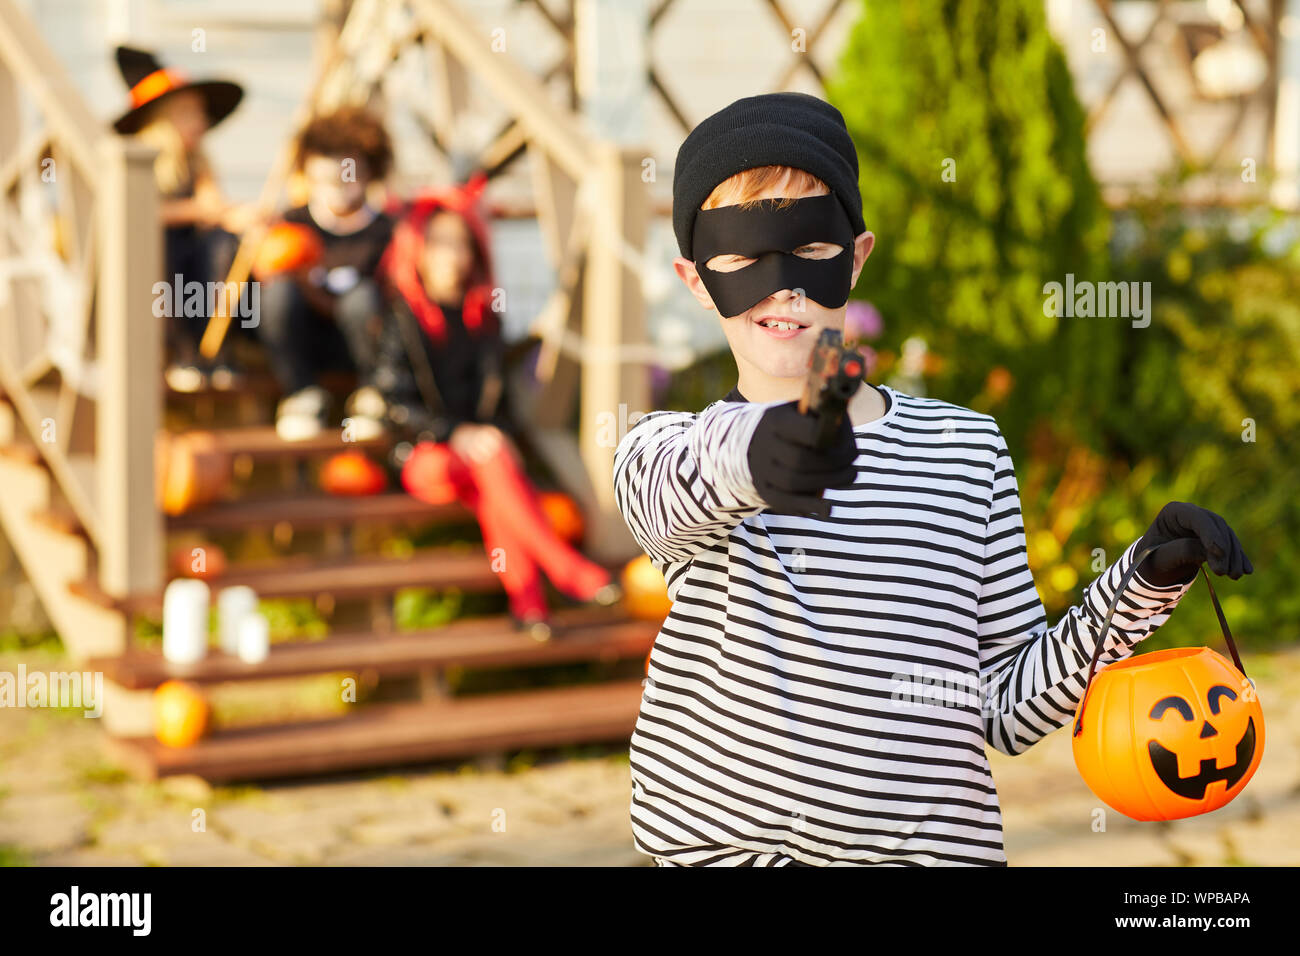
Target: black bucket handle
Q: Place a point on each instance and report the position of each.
(1110, 611)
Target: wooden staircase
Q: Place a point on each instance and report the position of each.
(82, 403)
(438, 725)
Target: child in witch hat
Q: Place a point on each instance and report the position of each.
(173, 113)
(439, 380)
(852, 623)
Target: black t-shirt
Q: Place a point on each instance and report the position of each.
(456, 365)
(359, 251)
(462, 365)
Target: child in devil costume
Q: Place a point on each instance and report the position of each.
(789, 717)
(439, 379)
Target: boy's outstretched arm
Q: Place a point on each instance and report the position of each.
(682, 481)
(1032, 676)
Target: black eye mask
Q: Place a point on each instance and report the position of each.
(769, 236)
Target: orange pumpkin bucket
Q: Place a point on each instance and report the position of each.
(1168, 734)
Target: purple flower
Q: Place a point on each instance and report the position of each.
(862, 320)
(660, 377)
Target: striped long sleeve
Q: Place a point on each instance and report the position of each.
(682, 480)
(825, 690)
(1032, 676)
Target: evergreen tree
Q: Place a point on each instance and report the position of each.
(975, 181)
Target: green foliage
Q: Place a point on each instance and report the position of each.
(419, 608)
(1213, 394)
(13, 856)
(975, 182)
(12, 640)
(1106, 421)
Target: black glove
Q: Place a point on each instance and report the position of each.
(1200, 536)
(791, 474)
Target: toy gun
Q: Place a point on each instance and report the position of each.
(834, 375)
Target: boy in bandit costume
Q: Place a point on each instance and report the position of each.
(791, 715)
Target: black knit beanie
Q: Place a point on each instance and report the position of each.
(772, 129)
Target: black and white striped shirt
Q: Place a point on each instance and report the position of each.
(814, 695)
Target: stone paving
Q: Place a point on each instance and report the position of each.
(62, 803)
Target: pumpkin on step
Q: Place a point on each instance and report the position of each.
(563, 515)
(352, 473)
(190, 470)
(200, 560)
(645, 593)
(180, 714)
(287, 247)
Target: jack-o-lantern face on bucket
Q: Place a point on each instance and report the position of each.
(1170, 734)
(1165, 761)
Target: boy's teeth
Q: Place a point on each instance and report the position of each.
(777, 324)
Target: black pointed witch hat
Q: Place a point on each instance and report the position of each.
(149, 82)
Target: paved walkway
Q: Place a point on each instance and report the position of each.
(62, 804)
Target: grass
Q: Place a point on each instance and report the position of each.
(48, 642)
(104, 773)
(13, 856)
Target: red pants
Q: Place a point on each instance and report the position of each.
(518, 538)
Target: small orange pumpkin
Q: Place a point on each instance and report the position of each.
(200, 560)
(190, 471)
(287, 247)
(645, 593)
(352, 473)
(563, 515)
(1169, 734)
(180, 714)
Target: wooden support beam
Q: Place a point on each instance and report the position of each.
(613, 315)
(129, 339)
(558, 132)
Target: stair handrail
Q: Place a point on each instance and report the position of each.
(113, 242)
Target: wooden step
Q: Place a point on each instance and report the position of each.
(344, 578)
(260, 383)
(316, 510)
(388, 734)
(306, 511)
(260, 442)
(579, 634)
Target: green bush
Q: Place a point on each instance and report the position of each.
(975, 182)
(1106, 421)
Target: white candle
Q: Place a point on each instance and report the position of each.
(254, 638)
(185, 620)
(233, 605)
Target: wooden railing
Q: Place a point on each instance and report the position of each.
(80, 252)
(80, 347)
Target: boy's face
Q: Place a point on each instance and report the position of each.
(761, 337)
(336, 182)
